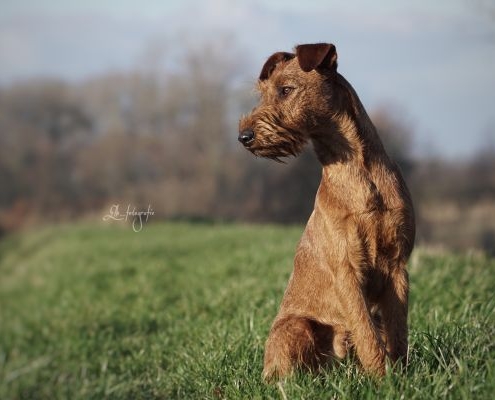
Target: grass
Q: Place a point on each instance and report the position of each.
(180, 311)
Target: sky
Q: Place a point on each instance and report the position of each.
(434, 60)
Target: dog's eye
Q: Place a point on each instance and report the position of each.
(286, 90)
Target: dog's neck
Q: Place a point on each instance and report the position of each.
(351, 136)
(352, 155)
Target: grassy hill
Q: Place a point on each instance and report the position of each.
(182, 311)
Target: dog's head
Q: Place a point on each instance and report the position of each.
(294, 97)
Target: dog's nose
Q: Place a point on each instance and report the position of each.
(246, 136)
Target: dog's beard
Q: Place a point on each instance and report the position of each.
(278, 145)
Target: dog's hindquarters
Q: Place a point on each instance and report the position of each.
(300, 342)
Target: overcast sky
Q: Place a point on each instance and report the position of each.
(433, 59)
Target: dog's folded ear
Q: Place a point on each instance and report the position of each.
(317, 56)
(272, 62)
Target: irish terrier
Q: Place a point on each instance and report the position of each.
(349, 286)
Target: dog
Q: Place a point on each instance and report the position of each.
(349, 286)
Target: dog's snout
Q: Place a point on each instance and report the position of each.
(246, 136)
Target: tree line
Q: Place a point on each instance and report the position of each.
(167, 138)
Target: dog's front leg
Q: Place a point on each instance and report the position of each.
(364, 335)
(394, 312)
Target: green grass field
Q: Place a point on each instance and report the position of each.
(181, 311)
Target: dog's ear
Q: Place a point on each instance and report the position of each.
(317, 56)
(272, 62)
